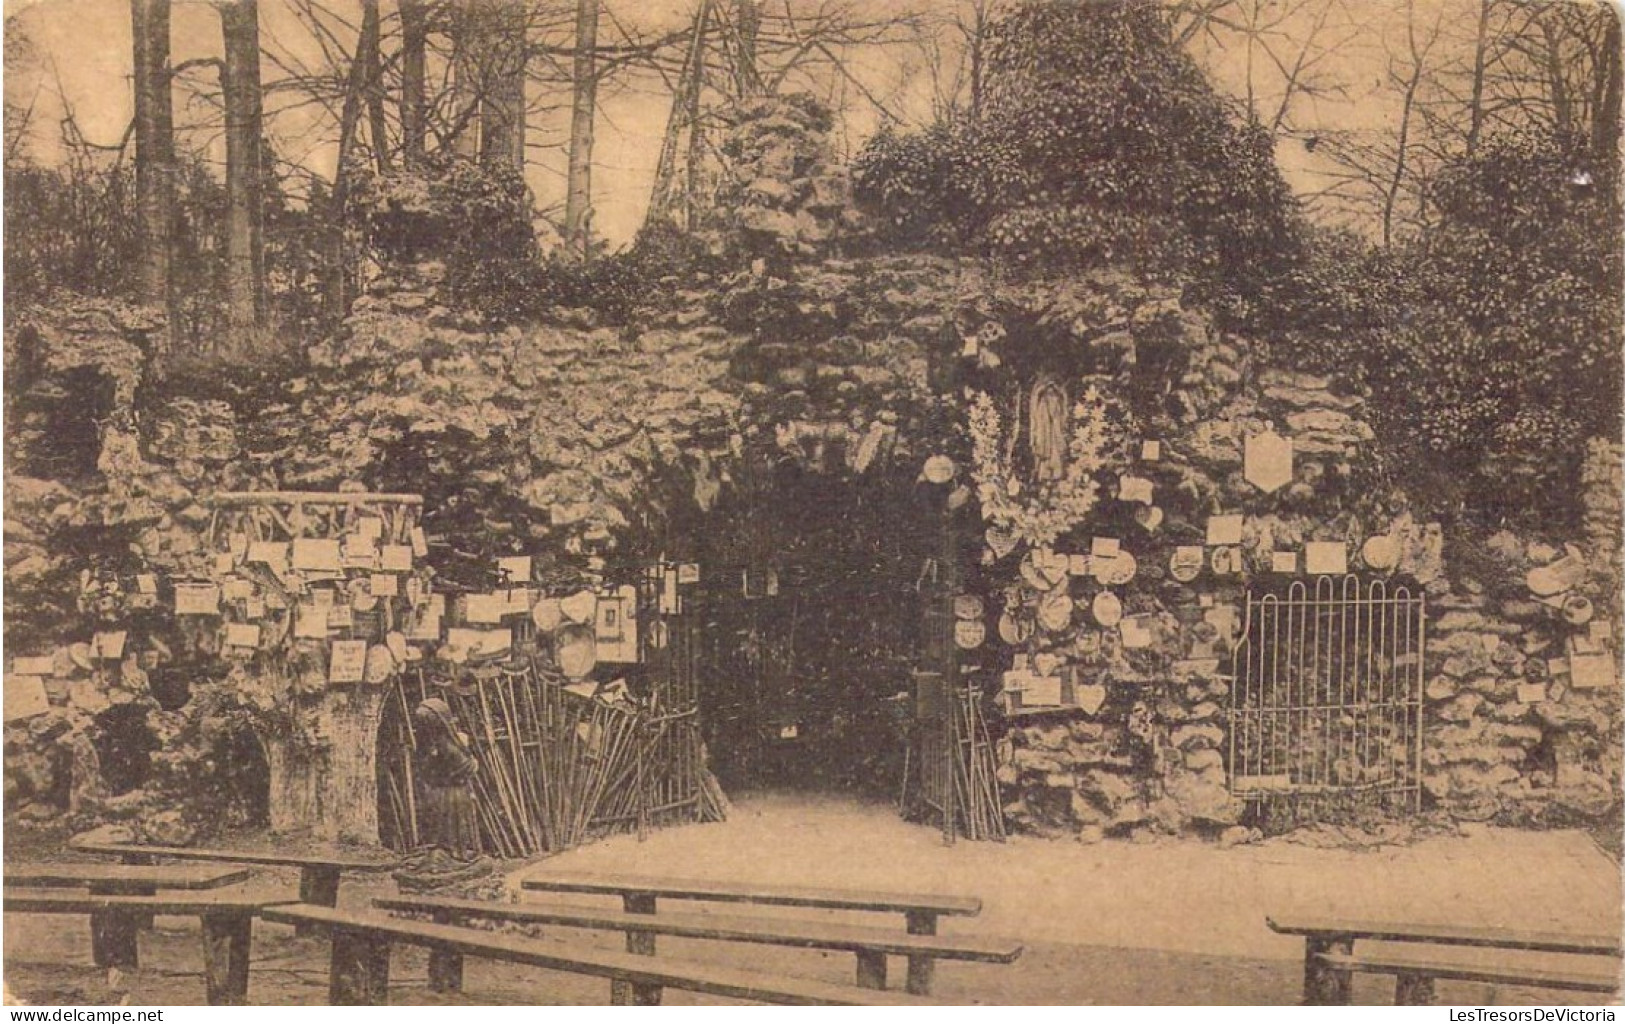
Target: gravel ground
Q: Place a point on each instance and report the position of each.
(1176, 922)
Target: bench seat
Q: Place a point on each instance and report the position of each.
(1417, 973)
(360, 963)
(126, 878)
(1598, 944)
(640, 895)
(262, 857)
(1331, 959)
(770, 895)
(227, 927)
(871, 945)
(52, 901)
(318, 872)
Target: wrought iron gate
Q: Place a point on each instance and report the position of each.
(1327, 697)
(669, 646)
(950, 776)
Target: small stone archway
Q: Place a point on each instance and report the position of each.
(242, 772)
(124, 745)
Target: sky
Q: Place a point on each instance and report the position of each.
(83, 65)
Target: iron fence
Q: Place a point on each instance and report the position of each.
(1327, 695)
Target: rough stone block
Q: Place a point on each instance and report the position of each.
(1200, 760)
(1187, 737)
(1199, 800)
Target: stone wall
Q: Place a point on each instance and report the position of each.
(1525, 719)
(1145, 751)
(566, 438)
(1511, 733)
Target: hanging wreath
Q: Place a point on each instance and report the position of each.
(1039, 513)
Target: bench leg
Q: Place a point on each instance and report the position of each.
(143, 919)
(318, 886)
(113, 938)
(445, 971)
(1324, 985)
(1413, 989)
(359, 974)
(624, 993)
(227, 939)
(122, 934)
(445, 967)
(921, 969)
(871, 969)
(646, 995)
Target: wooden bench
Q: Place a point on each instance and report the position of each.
(639, 896)
(1330, 959)
(871, 945)
(227, 920)
(361, 943)
(113, 935)
(318, 873)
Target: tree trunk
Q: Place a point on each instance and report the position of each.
(154, 149)
(245, 267)
(748, 23)
(414, 104)
(1396, 181)
(1605, 123)
(1562, 109)
(466, 84)
(367, 54)
(978, 51)
(502, 105)
(696, 131)
(330, 794)
(578, 195)
(1481, 46)
(684, 101)
(336, 296)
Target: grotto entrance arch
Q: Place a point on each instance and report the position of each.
(812, 591)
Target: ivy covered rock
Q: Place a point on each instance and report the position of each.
(1100, 143)
(782, 193)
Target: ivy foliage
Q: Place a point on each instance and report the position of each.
(477, 220)
(1503, 342)
(1100, 142)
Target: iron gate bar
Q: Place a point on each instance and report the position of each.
(1327, 692)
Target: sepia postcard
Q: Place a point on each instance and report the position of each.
(813, 502)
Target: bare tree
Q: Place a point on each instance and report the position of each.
(462, 128)
(1562, 63)
(1481, 57)
(1406, 73)
(242, 100)
(414, 87)
(578, 194)
(19, 116)
(1381, 173)
(154, 148)
(368, 56)
(747, 27)
(953, 42)
(1292, 50)
(1605, 126)
(502, 92)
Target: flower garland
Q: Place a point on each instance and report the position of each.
(1039, 515)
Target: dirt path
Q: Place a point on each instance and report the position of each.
(1183, 896)
(1105, 924)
